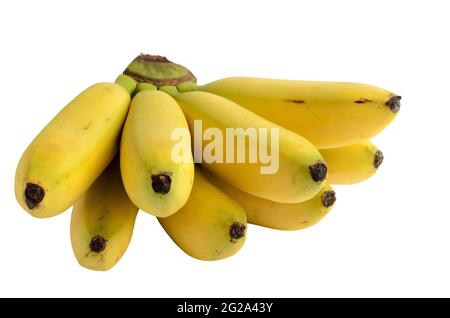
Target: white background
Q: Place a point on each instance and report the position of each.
(389, 236)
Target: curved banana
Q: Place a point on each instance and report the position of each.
(102, 221)
(155, 180)
(211, 226)
(352, 164)
(329, 114)
(300, 172)
(281, 216)
(71, 151)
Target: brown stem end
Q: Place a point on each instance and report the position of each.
(98, 244)
(237, 231)
(318, 171)
(328, 198)
(394, 103)
(378, 159)
(34, 194)
(161, 183)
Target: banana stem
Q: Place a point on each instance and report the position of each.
(158, 71)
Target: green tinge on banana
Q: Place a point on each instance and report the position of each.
(144, 87)
(169, 89)
(187, 87)
(126, 82)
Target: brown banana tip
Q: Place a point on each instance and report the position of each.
(161, 183)
(318, 171)
(328, 198)
(394, 103)
(237, 230)
(378, 159)
(34, 194)
(98, 244)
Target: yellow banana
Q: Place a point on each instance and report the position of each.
(301, 170)
(71, 151)
(352, 164)
(281, 216)
(154, 179)
(210, 226)
(329, 114)
(102, 221)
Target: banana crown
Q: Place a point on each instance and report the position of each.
(158, 71)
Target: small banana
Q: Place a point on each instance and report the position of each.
(281, 216)
(352, 164)
(329, 114)
(210, 226)
(301, 169)
(72, 150)
(155, 180)
(102, 221)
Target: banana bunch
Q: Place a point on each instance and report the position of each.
(204, 160)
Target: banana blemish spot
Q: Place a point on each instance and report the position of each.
(362, 101)
(87, 126)
(318, 171)
(161, 183)
(98, 244)
(295, 101)
(394, 103)
(328, 198)
(34, 194)
(237, 231)
(378, 159)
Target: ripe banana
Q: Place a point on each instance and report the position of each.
(210, 226)
(154, 179)
(102, 221)
(329, 114)
(301, 168)
(72, 150)
(352, 164)
(281, 216)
